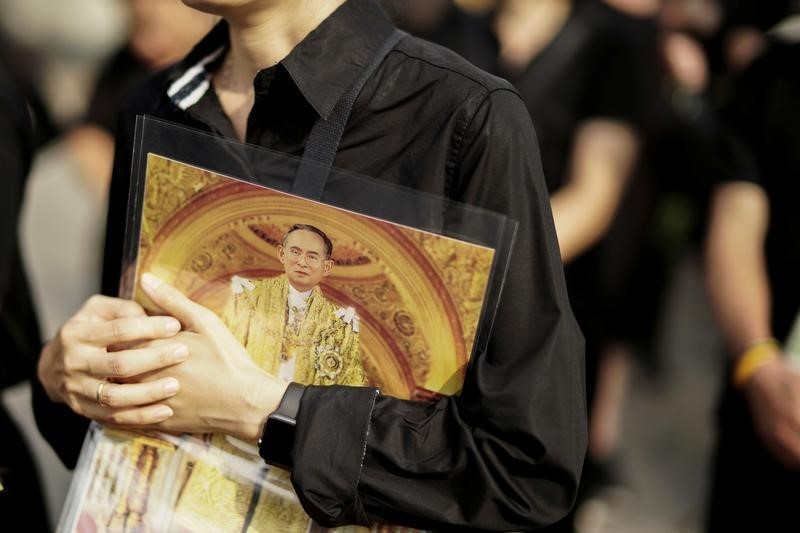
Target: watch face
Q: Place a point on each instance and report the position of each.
(277, 442)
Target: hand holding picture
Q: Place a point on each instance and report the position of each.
(221, 388)
(95, 347)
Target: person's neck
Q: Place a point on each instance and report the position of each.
(302, 292)
(261, 37)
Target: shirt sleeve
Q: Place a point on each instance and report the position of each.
(738, 136)
(619, 70)
(506, 453)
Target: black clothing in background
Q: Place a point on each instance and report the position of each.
(24, 67)
(19, 331)
(751, 491)
(679, 165)
(594, 68)
(505, 454)
(468, 34)
(123, 72)
(599, 65)
(763, 147)
(762, 15)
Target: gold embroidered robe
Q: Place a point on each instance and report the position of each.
(325, 349)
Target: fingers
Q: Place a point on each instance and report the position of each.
(100, 307)
(130, 363)
(774, 394)
(173, 302)
(115, 396)
(121, 330)
(137, 416)
(133, 403)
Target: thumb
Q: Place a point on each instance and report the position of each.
(194, 316)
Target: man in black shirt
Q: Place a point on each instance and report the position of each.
(753, 265)
(506, 453)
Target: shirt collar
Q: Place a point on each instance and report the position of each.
(298, 299)
(190, 79)
(322, 66)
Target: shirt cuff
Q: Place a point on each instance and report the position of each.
(329, 448)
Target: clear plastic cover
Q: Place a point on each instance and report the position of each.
(404, 298)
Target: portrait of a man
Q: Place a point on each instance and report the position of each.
(287, 324)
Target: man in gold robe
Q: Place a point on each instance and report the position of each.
(288, 326)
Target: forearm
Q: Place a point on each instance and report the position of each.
(736, 269)
(581, 217)
(600, 166)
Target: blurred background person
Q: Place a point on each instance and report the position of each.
(63, 53)
(162, 32)
(464, 27)
(19, 330)
(583, 70)
(753, 265)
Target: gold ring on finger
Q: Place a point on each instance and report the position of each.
(99, 394)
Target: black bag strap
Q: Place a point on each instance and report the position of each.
(323, 141)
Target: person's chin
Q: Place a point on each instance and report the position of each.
(301, 282)
(300, 277)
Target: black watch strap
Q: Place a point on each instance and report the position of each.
(277, 440)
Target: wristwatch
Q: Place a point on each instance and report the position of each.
(277, 439)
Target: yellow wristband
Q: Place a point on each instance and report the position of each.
(754, 357)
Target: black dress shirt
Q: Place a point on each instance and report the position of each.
(507, 452)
